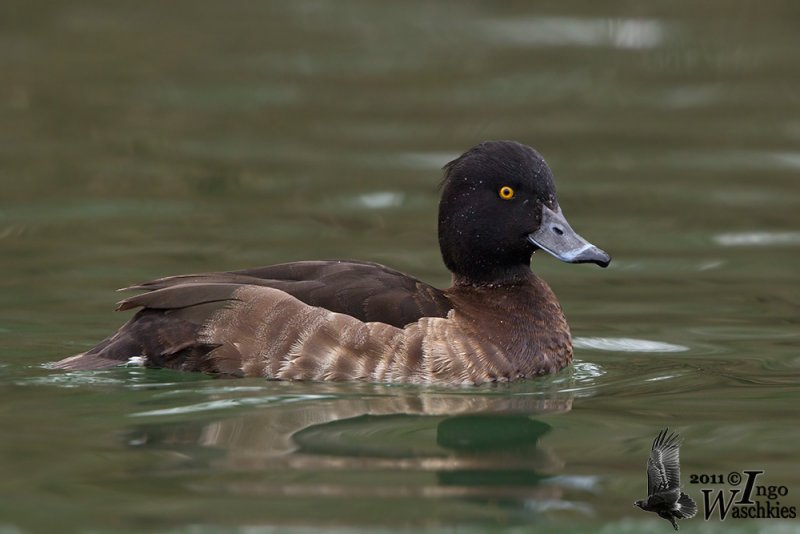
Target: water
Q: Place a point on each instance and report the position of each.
(144, 140)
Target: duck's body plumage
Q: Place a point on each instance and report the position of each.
(364, 290)
(345, 320)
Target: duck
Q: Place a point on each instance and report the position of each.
(343, 320)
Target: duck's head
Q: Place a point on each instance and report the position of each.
(498, 207)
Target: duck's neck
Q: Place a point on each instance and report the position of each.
(523, 319)
(498, 277)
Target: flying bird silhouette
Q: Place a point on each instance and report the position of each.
(664, 495)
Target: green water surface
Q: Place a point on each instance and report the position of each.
(143, 139)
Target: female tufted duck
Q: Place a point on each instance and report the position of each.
(348, 320)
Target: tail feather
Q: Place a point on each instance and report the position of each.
(114, 350)
(165, 332)
(85, 362)
(686, 507)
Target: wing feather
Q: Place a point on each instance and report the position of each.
(367, 291)
(663, 466)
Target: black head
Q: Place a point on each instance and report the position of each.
(498, 206)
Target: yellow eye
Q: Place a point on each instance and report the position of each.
(506, 192)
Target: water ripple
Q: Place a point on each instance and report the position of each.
(224, 404)
(570, 31)
(626, 344)
(72, 380)
(586, 370)
(542, 505)
(380, 199)
(578, 482)
(425, 160)
(748, 239)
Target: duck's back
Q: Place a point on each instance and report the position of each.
(364, 290)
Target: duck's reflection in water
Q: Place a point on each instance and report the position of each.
(379, 442)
